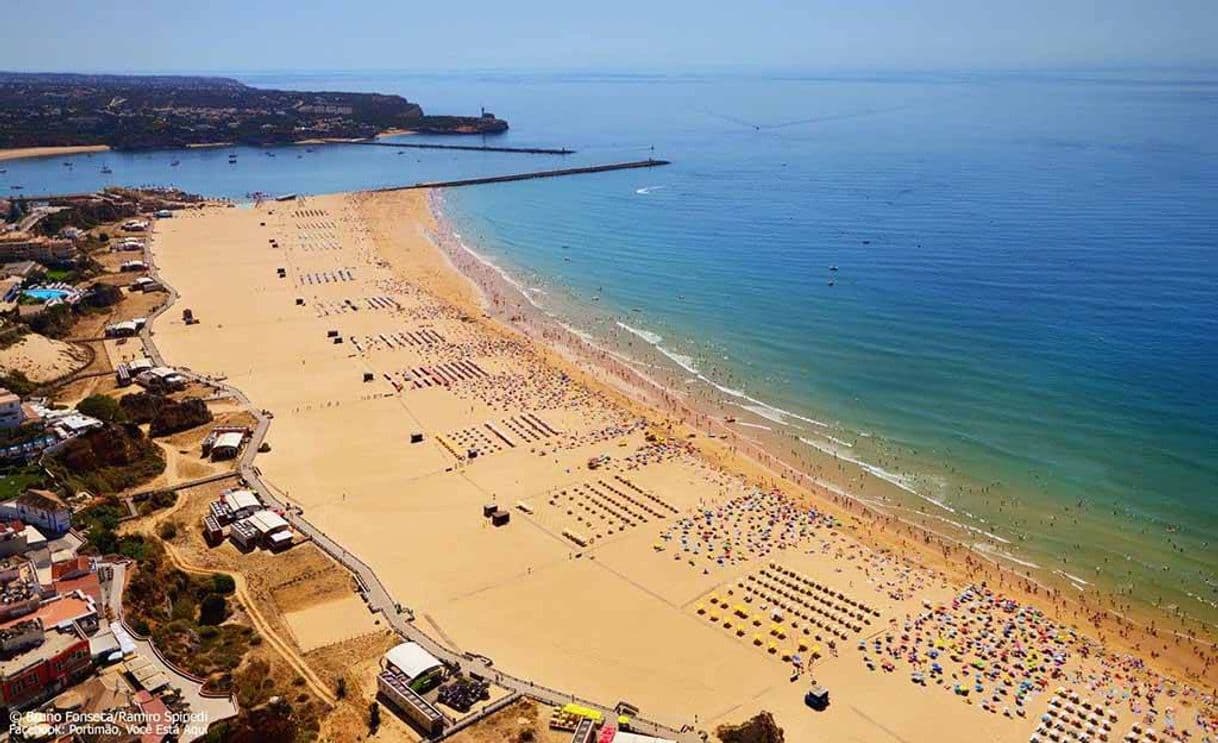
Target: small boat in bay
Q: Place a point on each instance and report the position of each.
(105, 170)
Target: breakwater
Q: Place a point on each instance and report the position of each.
(466, 147)
(649, 163)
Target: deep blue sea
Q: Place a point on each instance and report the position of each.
(999, 290)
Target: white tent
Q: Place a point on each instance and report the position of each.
(411, 659)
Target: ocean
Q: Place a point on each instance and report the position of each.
(996, 292)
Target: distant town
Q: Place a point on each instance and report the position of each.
(158, 111)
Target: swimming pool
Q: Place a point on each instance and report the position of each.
(46, 295)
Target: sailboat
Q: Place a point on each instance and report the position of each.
(105, 170)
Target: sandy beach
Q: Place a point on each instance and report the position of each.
(17, 153)
(41, 359)
(639, 563)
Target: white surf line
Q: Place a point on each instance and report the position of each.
(754, 425)
(892, 478)
(757, 407)
(883, 474)
(1075, 581)
(838, 441)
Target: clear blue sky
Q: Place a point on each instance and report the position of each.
(141, 35)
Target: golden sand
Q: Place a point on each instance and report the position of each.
(657, 577)
(41, 358)
(329, 623)
(16, 153)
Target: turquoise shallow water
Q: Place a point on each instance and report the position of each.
(1021, 322)
(46, 294)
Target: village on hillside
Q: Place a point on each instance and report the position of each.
(94, 437)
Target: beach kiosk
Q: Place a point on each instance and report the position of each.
(407, 669)
(817, 698)
(227, 445)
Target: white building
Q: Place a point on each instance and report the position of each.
(11, 413)
(161, 378)
(42, 508)
(263, 528)
(241, 503)
(64, 423)
(412, 659)
(74, 424)
(124, 329)
(227, 444)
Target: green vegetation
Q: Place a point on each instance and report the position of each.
(108, 460)
(165, 415)
(55, 322)
(61, 274)
(16, 382)
(156, 501)
(99, 522)
(270, 723)
(105, 409)
(11, 334)
(213, 609)
(101, 295)
(147, 111)
(16, 481)
(21, 434)
(185, 617)
(223, 583)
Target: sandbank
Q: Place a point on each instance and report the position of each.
(17, 153)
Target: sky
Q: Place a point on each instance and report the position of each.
(626, 35)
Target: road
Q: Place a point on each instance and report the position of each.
(379, 600)
(216, 708)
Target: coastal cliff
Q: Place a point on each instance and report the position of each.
(159, 111)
